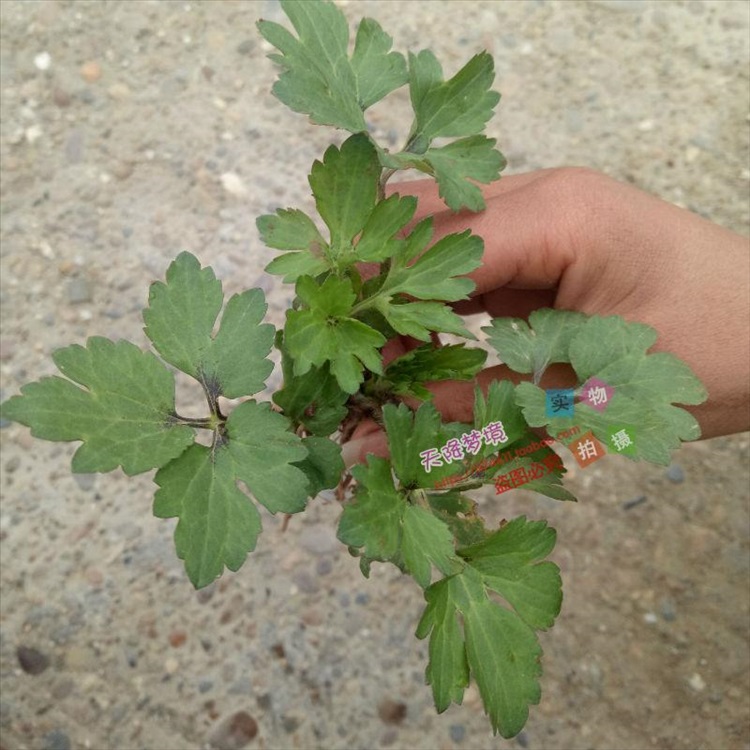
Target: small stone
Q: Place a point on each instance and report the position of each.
(79, 291)
(320, 539)
(31, 660)
(42, 61)
(668, 611)
(305, 582)
(33, 134)
(290, 723)
(233, 184)
(91, 71)
(119, 92)
(204, 686)
(61, 98)
(634, 503)
(391, 712)
(246, 47)
(650, 618)
(362, 598)
(522, 739)
(457, 732)
(85, 481)
(171, 665)
(235, 732)
(675, 474)
(324, 567)
(697, 683)
(56, 740)
(177, 638)
(12, 464)
(122, 170)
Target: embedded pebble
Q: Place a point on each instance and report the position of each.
(56, 740)
(85, 481)
(31, 660)
(675, 474)
(91, 71)
(79, 291)
(392, 712)
(235, 732)
(233, 184)
(42, 61)
(320, 539)
(697, 683)
(457, 732)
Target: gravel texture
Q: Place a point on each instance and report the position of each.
(134, 130)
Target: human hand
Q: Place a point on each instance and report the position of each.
(575, 239)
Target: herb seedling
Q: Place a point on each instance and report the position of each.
(410, 510)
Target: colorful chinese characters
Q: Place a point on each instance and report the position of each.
(470, 442)
(586, 449)
(559, 402)
(597, 394)
(518, 477)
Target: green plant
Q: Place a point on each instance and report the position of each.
(410, 510)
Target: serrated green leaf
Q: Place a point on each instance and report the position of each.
(290, 229)
(293, 265)
(603, 340)
(417, 319)
(614, 351)
(496, 645)
(473, 158)
(323, 465)
(448, 667)
(458, 107)
(219, 525)
(318, 78)
(503, 655)
(263, 452)
(181, 316)
(509, 562)
(378, 71)
(430, 364)
(125, 415)
(314, 400)
(532, 346)
(383, 522)
(181, 313)
(372, 521)
(345, 186)
(324, 333)
(434, 276)
(238, 363)
(388, 217)
(468, 527)
(426, 541)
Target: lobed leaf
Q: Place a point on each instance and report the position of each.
(181, 316)
(318, 78)
(124, 414)
(497, 646)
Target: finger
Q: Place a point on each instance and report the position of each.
(517, 303)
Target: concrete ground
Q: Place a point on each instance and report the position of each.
(120, 123)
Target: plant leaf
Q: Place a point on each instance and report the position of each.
(345, 186)
(458, 107)
(323, 465)
(417, 319)
(219, 525)
(179, 320)
(317, 76)
(532, 346)
(426, 541)
(124, 414)
(389, 217)
(644, 385)
(454, 165)
(434, 276)
(497, 646)
(428, 364)
(325, 333)
(263, 453)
